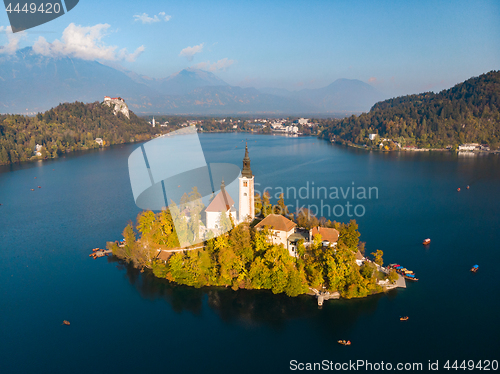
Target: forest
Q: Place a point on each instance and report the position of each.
(244, 258)
(66, 128)
(465, 113)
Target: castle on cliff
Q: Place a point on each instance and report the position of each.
(119, 105)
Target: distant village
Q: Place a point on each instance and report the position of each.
(285, 126)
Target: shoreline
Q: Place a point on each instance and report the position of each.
(471, 153)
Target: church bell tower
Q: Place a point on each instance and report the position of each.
(246, 191)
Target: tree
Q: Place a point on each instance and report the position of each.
(180, 222)
(368, 269)
(281, 208)
(267, 207)
(145, 222)
(349, 235)
(258, 205)
(378, 257)
(306, 219)
(393, 276)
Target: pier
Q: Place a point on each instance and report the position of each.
(100, 253)
(325, 295)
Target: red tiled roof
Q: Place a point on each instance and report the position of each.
(165, 255)
(277, 222)
(219, 203)
(326, 233)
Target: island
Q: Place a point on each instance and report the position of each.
(262, 246)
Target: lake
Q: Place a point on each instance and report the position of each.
(125, 321)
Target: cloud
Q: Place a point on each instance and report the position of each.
(189, 52)
(85, 43)
(216, 66)
(372, 80)
(166, 17)
(13, 40)
(130, 57)
(144, 18)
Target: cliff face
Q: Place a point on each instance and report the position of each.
(119, 105)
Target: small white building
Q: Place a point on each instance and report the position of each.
(221, 203)
(303, 121)
(359, 258)
(99, 141)
(38, 150)
(468, 147)
(372, 136)
(280, 229)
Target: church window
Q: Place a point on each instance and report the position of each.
(245, 194)
(245, 184)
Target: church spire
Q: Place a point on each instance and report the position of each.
(246, 172)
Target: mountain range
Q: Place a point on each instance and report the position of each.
(30, 82)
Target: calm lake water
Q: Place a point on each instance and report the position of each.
(123, 321)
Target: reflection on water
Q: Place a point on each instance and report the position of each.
(251, 307)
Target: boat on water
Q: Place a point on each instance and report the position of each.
(404, 272)
(405, 318)
(474, 268)
(66, 323)
(426, 241)
(411, 277)
(343, 342)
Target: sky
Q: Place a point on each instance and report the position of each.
(399, 47)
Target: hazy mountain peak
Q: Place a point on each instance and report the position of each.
(185, 81)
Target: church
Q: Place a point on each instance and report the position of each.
(223, 202)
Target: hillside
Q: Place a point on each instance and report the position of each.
(465, 113)
(67, 128)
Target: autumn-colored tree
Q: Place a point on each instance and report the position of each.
(378, 257)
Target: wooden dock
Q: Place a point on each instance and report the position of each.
(325, 295)
(100, 253)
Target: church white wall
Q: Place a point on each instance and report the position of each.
(213, 219)
(246, 198)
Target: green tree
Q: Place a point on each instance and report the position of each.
(378, 257)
